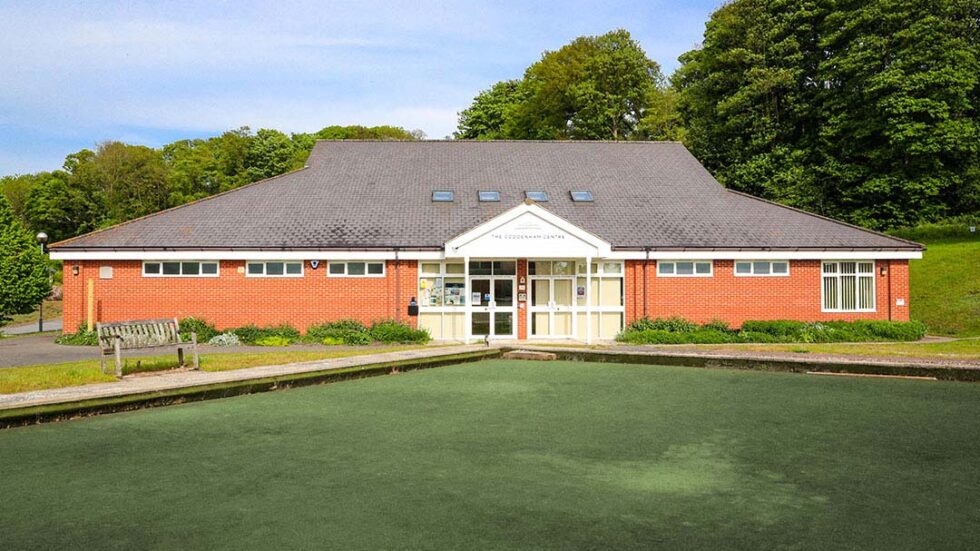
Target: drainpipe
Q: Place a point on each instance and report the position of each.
(645, 263)
(889, 290)
(398, 288)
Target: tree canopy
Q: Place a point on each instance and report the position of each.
(594, 88)
(24, 278)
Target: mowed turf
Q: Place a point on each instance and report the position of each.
(513, 455)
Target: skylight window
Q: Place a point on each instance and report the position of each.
(582, 196)
(489, 196)
(537, 196)
(442, 196)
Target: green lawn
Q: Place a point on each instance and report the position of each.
(514, 455)
(946, 287)
(39, 377)
(962, 349)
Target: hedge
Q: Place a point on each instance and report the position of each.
(680, 331)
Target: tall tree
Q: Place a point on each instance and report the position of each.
(131, 179)
(24, 279)
(491, 112)
(60, 210)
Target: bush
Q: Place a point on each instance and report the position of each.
(251, 334)
(776, 328)
(205, 331)
(708, 336)
(225, 339)
(753, 336)
(718, 325)
(391, 331)
(81, 338)
(651, 336)
(351, 332)
(674, 325)
(273, 340)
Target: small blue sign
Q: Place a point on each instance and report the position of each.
(486, 297)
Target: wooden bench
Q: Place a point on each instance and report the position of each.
(128, 335)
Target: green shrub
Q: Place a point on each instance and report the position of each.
(776, 328)
(81, 338)
(250, 334)
(754, 336)
(272, 340)
(391, 331)
(718, 325)
(708, 336)
(356, 338)
(348, 331)
(332, 341)
(205, 331)
(651, 336)
(674, 325)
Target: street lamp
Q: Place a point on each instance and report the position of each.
(42, 239)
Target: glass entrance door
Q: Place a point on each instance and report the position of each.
(551, 307)
(494, 312)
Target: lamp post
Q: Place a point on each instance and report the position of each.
(42, 239)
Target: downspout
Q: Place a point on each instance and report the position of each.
(645, 262)
(398, 288)
(889, 290)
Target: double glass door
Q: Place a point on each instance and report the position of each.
(551, 307)
(494, 312)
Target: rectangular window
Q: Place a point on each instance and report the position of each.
(761, 268)
(182, 268)
(441, 285)
(356, 268)
(275, 268)
(537, 196)
(684, 268)
(442, 196)
(848, 286)
(489, 196)
(582, 196)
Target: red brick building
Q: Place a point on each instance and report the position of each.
(500, 239)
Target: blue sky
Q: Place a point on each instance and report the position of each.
(73, 74)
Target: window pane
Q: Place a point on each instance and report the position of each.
(612, 268)
(274, 268)
(829, 268)
(479, 267)
(190, 268)
(848, 292)
(209, 268)
(492, 196)
(562, 267)
(508, 267)
(866, 267)
(848, 267)
(539, 196)
(760, 268)
(743, 267)
(355, 268)
(780, 267)
(442, 196)
(430, 267)
(665, 267)
(430, 291)
(376, 268)
(294, 268)
(151, 268)
(830, 293)
(455, 292)
(866, 293)
(685, 268)
(171, 268)
(256, 268)
(337, 268)
(582, 196)
(455, 269)
(703, 267)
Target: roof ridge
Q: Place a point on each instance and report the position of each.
(175, 207)
(827, 218)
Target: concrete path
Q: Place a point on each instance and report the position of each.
(41, 349)
(26, 328)
(153, 382)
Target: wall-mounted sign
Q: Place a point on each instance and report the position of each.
(580, 290)
(475, 298)
(522, 297)
(522, 280)
(314, 264)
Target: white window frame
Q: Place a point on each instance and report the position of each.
(181, 262)
(752, 271)
(347, 264)
(857, 285)
(443, 275)
(264, 263)
(710, 263)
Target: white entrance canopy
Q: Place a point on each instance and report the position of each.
(527, 231)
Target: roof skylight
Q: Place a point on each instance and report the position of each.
(537, 196)
(489, 196)
(582, 196)
(442, 196)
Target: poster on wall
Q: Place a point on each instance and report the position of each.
(475, 298)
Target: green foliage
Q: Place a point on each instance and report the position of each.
(349, 331)
(205, 331)
(595, 88)
(680, 331)
(24, 277)
(945, 286)
(865, 111)
(391, 331)
(272, 340)
(81, 338)
(225, 339)
(251, 334)
(957, 227)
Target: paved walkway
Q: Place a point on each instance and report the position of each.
(150, 382)
(27, 328)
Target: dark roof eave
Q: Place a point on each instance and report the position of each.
(765, 249)
(345, 248)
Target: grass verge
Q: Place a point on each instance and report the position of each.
(946, 287)
(52, 310)
(40, 377)
(963, 349)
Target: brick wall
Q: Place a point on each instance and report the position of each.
(233, 299)
(736, 299)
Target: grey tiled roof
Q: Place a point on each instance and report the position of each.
(366, 194)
